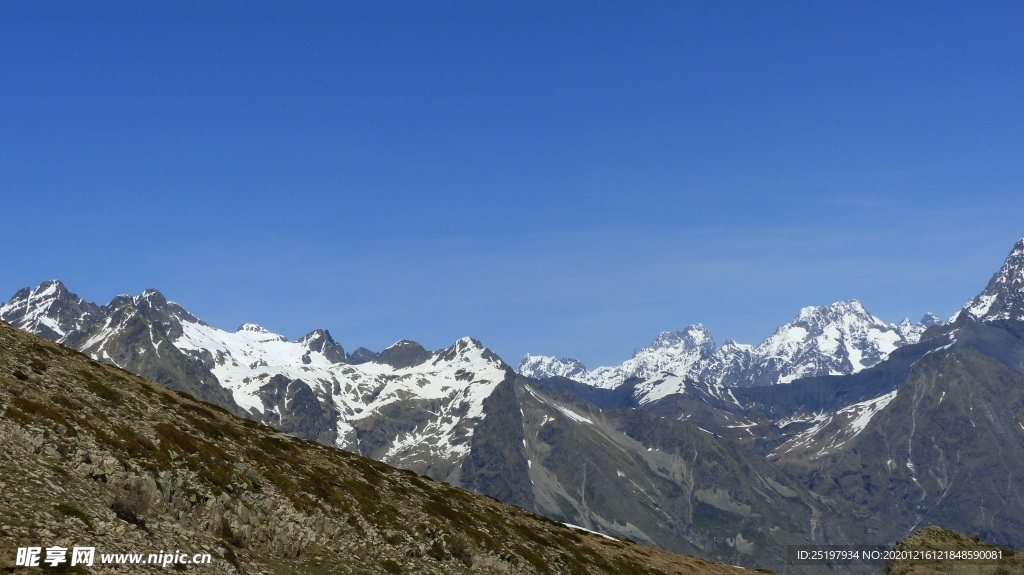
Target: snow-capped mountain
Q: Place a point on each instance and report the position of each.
(836, 339)
(49, 310)
(680, 351)
(430, 401)
(1003, 297)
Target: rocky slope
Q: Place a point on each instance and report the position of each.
(934, 538)
(96, 456)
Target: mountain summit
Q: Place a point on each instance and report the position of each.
(1003, 297)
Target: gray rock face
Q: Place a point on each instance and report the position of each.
(293, 407)
(403, 354)
(497, 462)
(320, 340)
(362, 355)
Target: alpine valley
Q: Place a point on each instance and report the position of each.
(838, 428)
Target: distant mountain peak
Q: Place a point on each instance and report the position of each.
(838, 338)
(49, 310)
(320, 341)
(151, 298)
(402, 354)
(467, 349)
(539, 366)
(693, 337)
(251, 327)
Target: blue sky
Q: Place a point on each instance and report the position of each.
(565, 178)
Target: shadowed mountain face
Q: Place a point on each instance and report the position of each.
(95, 456)
(946, 447)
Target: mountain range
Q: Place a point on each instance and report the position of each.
(95, 456)
(837, 428)
(836, 339)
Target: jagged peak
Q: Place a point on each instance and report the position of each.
(1012, 270)
(255, 328)
(362, 355)
(51, 286)
(46, 291)
(1003, 297)
(121, 300)
(695, 336)
(530, 364)
(320, 340)
(853, 306)
(258, 330)
(315, 335)
(467, 347)
(731, 344)
(152, 297)
(468, 343)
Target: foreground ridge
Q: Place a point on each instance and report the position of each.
(97, 456)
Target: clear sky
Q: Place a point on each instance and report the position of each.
(564, 178)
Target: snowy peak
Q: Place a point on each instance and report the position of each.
(258, 333)
(152, 298)
(694, 338)
(838, 311)
(320, 341)
(836, 339)
(421, 406)
(49, 310)
(252, 328)
(912, 332)
(469, 351)
(539, 366)
(1003, 297)
(681, 352)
